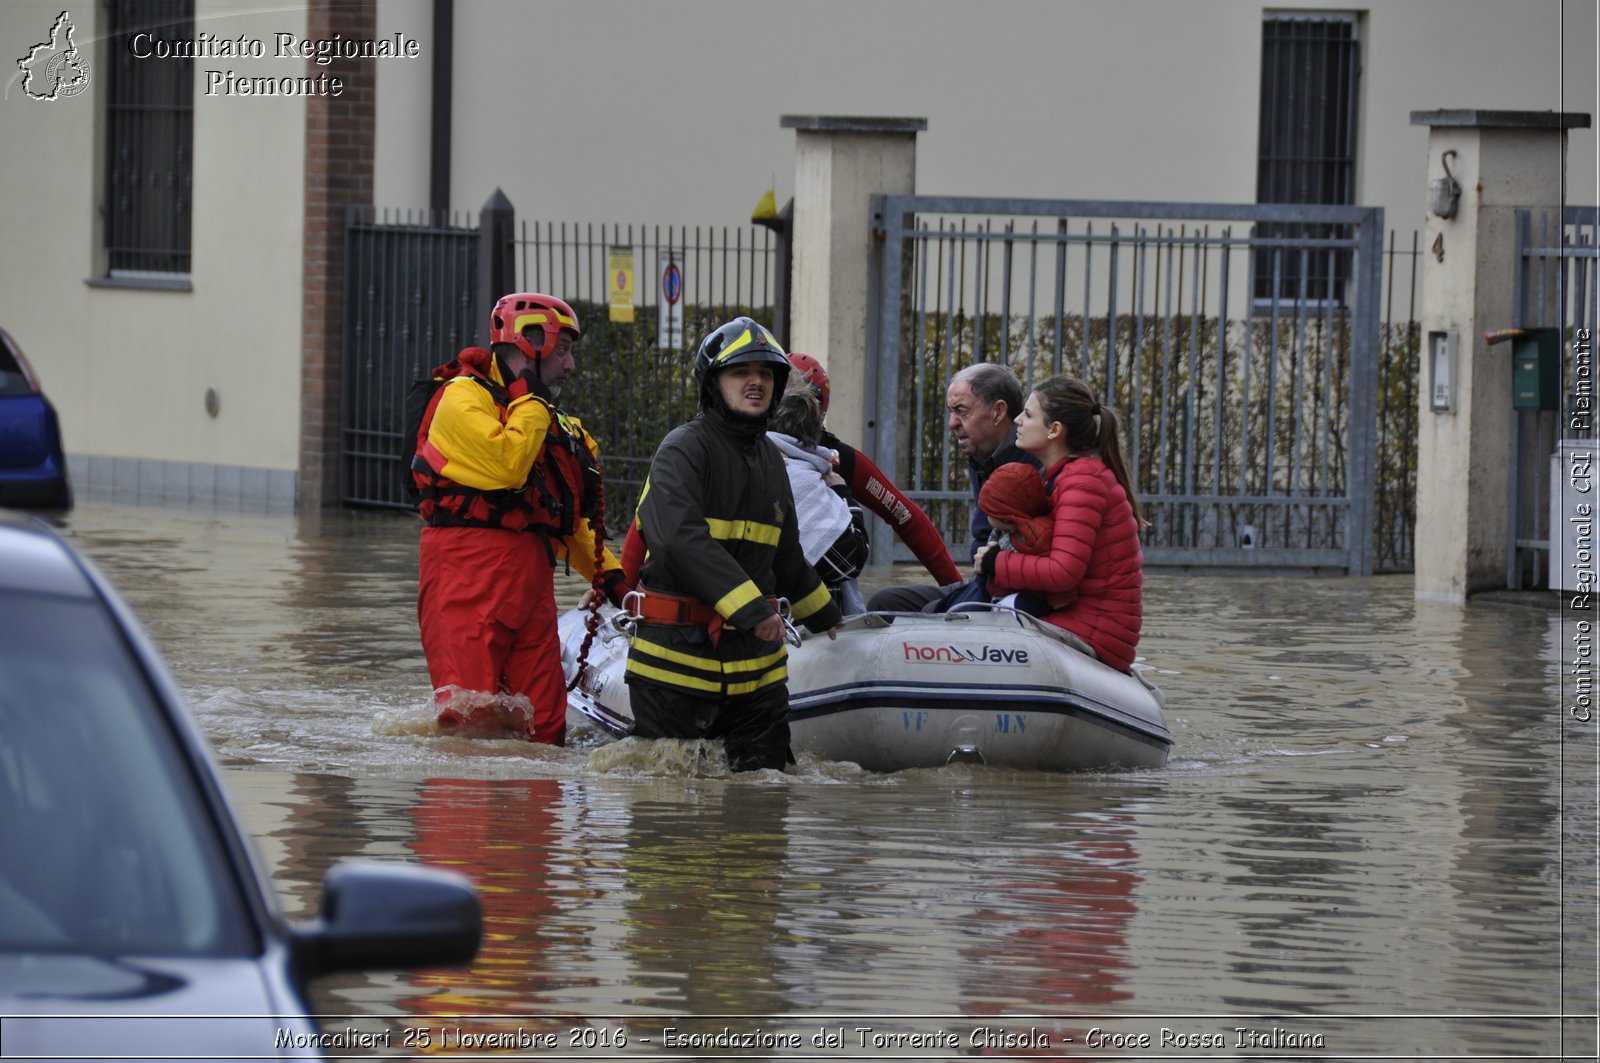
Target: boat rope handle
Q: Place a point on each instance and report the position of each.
(791, 634)
(626, 620)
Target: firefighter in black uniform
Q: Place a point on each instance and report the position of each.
(707, 659)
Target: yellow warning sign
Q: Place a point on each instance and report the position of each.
(619, 270)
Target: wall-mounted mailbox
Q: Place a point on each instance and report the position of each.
(1536, 370)
(1442, 371)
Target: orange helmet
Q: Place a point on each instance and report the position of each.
(815, 375)
(515, 312)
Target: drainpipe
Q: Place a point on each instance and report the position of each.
(443, 78)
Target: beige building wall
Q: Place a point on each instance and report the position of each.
(609, 110)
(128, 369)
(405, 108)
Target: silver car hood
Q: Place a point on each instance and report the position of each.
(73, 1006)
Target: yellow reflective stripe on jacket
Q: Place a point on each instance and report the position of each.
(737, 599)
(817, 599)
(751, 531)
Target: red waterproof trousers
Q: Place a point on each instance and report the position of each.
(487, 609)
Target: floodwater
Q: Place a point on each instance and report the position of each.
(1375, 837)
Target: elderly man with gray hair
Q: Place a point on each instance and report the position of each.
(983, 402)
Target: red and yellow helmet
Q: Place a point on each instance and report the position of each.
(516, 312)
(815, 375)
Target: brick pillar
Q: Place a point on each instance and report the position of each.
(338, 173)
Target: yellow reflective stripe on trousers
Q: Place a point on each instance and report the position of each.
(773, 668)
(751, 531)
(677, 679)
(680, 669)
(688, 682)
(766, 679)
(709, 665)
(750, 664)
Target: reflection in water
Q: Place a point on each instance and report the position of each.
(702, 868)
(504, 835)
(1074, 956)
(1374, 808)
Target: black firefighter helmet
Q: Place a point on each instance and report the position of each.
(741, 340)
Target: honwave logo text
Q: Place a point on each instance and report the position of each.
(984, 654)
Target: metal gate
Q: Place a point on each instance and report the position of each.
(413, 298)
(1240, 342)
(410, 299)
(1556, 287)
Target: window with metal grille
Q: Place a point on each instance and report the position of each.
(1307, 147)
(149, 136)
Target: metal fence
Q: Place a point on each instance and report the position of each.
(413, 292)
(632, 385)
(409, 304)
(1557, 286)
(413, 298)
(1394, 475)
(1252, 424)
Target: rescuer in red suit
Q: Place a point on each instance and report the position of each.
(510, 484)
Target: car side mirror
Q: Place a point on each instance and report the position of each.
(385, 915)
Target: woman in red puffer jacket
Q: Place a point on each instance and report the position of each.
(1094, 550)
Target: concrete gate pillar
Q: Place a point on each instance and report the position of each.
(1504, 161)
(838, 163)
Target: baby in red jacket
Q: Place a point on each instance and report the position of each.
(1014, 500)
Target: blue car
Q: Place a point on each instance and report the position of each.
(33, 467)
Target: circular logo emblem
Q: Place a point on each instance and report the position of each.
(68, 73)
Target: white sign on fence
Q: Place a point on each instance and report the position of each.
(669, 313)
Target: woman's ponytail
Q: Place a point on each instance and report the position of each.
(1111, 454)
